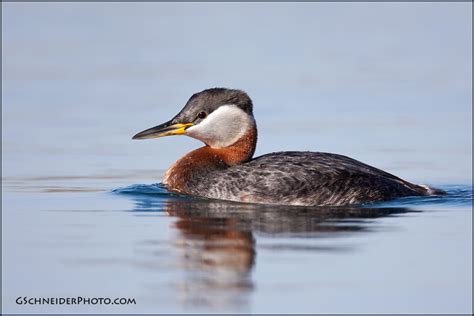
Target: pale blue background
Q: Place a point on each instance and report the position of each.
(387, 83)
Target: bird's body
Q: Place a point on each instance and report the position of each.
(224, 168)
(295, 178)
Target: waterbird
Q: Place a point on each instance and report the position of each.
(224, 169)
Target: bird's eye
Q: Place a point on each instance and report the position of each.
(202, 115)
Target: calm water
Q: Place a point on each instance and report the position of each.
(83, 213)
(176, 254)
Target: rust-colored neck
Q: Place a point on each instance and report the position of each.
(206, 158)
(240, 151)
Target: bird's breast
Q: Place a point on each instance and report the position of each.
(186, 173)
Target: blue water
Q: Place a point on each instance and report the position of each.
(389, 84)
(175, 253)
(240, 257)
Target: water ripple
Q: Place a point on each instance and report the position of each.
(456, 194)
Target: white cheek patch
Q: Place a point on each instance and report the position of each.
(223, 127)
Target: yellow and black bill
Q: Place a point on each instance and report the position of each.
(165, 129)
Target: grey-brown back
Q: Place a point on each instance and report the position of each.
(302, 178)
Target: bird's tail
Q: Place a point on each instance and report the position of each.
(426, 190)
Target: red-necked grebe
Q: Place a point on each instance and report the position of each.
(224, 168)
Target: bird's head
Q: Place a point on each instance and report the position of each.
(218, 117)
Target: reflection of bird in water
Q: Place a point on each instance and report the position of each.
(223, 245)
(224, 168)
(218, 259)
(278, 220)
(217, 246)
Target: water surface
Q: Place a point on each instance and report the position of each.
(174, 253)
